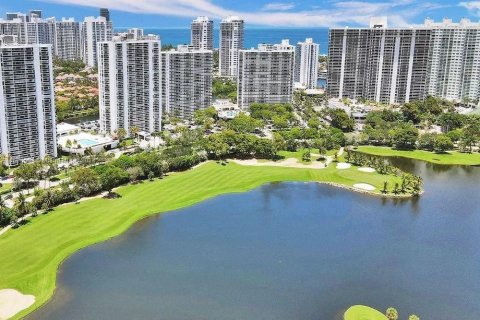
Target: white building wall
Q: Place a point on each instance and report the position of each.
(94, 30)
(231, 41)
(266, 75)
(306, 63)
(130, 85)
(67, 40)
(187, 81)
(27, 117)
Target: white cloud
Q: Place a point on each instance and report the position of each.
(278, 6)
(338, 13)
(472, 6)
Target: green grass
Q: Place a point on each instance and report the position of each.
(62, 175)
(450, 158)
(5, 187)
(363, 313)
(31, 254)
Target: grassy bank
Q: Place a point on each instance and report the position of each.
(5, 187)
(31, 254)
(363, 313)
(450, 158)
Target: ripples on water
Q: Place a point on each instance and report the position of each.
(289, 251)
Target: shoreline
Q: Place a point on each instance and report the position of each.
(47, 291)
(422, 155)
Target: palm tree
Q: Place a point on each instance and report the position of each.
(48, 162)
(121, 134)
(413, 317)
(134, 130)
(68, 144)
(3, 205)
(385, 187)
(21, 205)
(48, 204)
(392, 314)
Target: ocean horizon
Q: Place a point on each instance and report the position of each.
(253, 36)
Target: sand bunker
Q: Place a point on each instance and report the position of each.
(343, 165)
(364, 186)
(289, 163)
(366, 169)
(12, 302)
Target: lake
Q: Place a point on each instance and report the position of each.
(300, 251)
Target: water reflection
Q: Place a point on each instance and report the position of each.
(301, 251)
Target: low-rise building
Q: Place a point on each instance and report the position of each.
(226, 109)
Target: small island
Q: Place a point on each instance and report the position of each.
(360, 312)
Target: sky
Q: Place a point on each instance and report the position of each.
(257, 13)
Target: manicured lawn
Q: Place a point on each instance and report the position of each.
(5, 187)
(363, 313)
(451, 158)
(31, 254)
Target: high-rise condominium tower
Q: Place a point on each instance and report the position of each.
(29, 30)
(406, 64)
(265, 75)
(202, 33)
(27, 107)
(35, 14)
(130, 84)
(67, 39)
(187, 81)
(94, 30)
(306, 63)
(104, 12)
(231, 41)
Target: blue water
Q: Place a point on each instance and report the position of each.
(252, 36)
(87, 142)
(287, 251)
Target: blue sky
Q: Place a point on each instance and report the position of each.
(294, 13)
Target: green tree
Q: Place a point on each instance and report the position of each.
(426, 141)
(134, 131)
(135, 173)
(121, 134)
(455, 135)
(341, 120)
(392, 314)
(450, 121)
(306, 156)
(411, 112)
(405, 137)
(413, 317)
(443, 143)
(245, 124)
(113, 177)
(86, 180)
(27, 172)
(21, 205)
(385, 187)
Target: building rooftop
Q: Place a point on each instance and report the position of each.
(232, 19)
(284, 46)
(428, 24)
(64, 127)
(202, 19)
